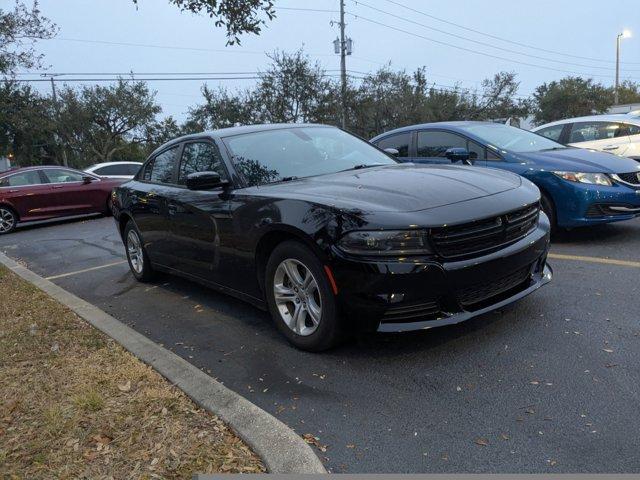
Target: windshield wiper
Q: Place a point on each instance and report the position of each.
(363, 165)
(288, 179)
(554, 148)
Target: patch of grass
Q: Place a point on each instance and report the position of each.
(74, 404)
(89, 401)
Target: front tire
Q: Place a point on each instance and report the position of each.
(8, 219)
(300, 299)
(550, 210)
(136, 255)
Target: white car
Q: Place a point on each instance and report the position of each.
(618, 134)
(126, 170)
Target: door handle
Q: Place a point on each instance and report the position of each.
(173, 208)
(56, 187)
(14, 191)
(611, 147)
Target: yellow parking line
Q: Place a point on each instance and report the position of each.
(62, 275)
(607, 261)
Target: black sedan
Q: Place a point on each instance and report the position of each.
(329, 233)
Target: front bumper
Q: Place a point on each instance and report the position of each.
(414, 294)
(579, 204)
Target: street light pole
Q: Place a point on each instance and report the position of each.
(624, 34)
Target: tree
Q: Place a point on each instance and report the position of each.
(292, 89)
(26, 125)
(222, 109)
(20, 29)
(499, 99)
(237, 16)
(99, 121)
(570, 97)
(629, 92)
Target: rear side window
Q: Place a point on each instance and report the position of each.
(21, 179)
(631, 129)
(55, 175)
(123, 169)
(400, 142)
(552, 132)
(160, 169)
(200, 157)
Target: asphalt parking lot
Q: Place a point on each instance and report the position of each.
(551, 384)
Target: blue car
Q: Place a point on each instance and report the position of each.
(579, 187)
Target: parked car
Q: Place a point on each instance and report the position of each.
(619, 134)
(331, 234)
(579, 187)
(124, 170)
(42, 193)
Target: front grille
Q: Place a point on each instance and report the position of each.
(630, 178)
(483, 236)
(474, 295)
(427, 310)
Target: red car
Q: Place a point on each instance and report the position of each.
(42, 193)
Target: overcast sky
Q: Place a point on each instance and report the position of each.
(584, 28)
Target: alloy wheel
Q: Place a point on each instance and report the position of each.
(7, 220)
(134, 251)
(297, 297)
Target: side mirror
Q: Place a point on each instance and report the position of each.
(459, 155)
(392, 151)
(87, 179)
(205, 181)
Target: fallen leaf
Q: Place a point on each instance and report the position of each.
(505, 436)
(315, 441)
(608, 350)
(125, 387)
(351, 445)
(482, 442)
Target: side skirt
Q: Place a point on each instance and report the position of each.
(256, 302)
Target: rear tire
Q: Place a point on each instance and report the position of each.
(8, 219)
(300, 299)
(550, 210)
(136, 255)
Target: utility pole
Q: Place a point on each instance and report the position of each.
(343, 67)
(56, 105)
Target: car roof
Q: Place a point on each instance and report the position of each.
(106, 164)
(241, 130)
(34, 167)
(449, 125)
(614, 117)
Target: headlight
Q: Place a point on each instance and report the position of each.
(592, 178)
(386, 243)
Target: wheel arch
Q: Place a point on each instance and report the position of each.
(274, 237)
(12, 208)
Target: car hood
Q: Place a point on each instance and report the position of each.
(579, 160)
(399, 188)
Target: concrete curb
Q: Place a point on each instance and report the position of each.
(281, 449)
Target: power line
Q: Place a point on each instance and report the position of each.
(131, 73)
(397, 29)
(146, 79)
(502, 39)
(546, 59)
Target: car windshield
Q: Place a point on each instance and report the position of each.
(504, 137)
(285, 154)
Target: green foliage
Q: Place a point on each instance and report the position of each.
(237, 16)
(570, 97)
(20, 29)
(26, 125)
(97, 122)
(629, 92)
